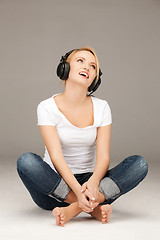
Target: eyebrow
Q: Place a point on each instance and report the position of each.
(84, 59)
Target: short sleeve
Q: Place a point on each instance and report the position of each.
(106, 115)
(44, 116)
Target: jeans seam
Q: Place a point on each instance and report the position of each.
(55, 186)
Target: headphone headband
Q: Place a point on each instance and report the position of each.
(64, 57)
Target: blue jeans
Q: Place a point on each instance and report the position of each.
(49, 190)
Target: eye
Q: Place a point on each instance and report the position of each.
(93, 66)
(80, 60)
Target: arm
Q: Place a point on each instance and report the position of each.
(53, 145)
(102, 159)
(102, 152)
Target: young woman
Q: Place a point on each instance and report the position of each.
(76, 129)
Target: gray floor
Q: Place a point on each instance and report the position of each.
(135, 215)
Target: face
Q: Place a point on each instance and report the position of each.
(83, 67)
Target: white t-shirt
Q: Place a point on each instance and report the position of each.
(78, 144)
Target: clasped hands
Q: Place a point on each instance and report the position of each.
(88, 199)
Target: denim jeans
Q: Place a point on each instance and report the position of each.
(49, 190)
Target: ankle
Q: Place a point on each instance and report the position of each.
(71, 197)
(74, 208)
(101, 197)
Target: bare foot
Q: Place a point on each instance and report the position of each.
(102, 213)
(64, 214)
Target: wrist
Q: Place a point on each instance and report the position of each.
(77, 191)
(94, 179)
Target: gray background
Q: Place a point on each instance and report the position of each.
(125, 35)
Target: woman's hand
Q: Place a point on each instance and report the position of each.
(91, 187)
(86, 204)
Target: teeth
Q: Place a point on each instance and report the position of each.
(84, 74)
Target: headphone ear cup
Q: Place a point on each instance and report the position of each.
(66, 71)
(63, 70)
(93, 87)
(90, 88)
(60, 70)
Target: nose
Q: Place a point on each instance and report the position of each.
(86, 67)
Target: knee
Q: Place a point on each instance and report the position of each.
(25, 162)
(141, 164)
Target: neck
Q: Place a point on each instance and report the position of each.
(74, 96)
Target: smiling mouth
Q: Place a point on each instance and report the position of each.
(84, 74)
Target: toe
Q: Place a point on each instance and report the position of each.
(107, 219)
(106, 211)
(61, 222)
(57, 221)
(61, 216)
(56, 211)
(105, 208)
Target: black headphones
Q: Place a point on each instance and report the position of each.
(64, 68)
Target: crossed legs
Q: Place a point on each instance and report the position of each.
(41, 186)
(119, 180)
(64, 214)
